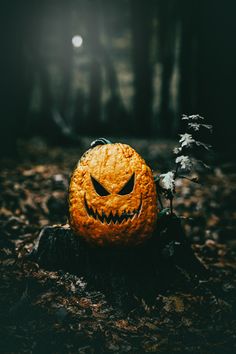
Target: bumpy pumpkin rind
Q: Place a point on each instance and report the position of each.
(112, 165)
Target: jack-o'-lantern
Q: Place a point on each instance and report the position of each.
(112, 196)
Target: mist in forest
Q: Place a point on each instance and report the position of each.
(116, 68)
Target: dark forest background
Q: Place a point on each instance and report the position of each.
(142, 64)
(75, 70)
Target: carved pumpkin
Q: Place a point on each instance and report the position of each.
(112, 197)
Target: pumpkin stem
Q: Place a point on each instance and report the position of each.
(100, 141)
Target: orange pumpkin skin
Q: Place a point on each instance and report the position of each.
(115, 217)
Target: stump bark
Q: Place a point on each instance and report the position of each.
(165, 261)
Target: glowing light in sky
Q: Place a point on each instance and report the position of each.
(77, 41)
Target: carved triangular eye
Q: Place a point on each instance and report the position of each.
(128, 187)
(99, 188)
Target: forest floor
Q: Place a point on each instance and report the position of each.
(45, 311)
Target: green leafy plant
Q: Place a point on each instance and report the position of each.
(184, 161)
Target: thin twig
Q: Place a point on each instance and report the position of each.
(159, 200)
(171, 206)
(190, 179)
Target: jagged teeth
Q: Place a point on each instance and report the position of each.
(115, 218)
(109, 218)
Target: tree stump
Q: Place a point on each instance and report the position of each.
(165, 261)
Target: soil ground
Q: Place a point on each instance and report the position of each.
(45, 311)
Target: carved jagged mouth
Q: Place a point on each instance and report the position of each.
(113, 217)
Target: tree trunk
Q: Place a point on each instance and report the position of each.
(141, 27)
(16, 75)
(95, 84)
(216, 72)
(167, 18)
(189, 52)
